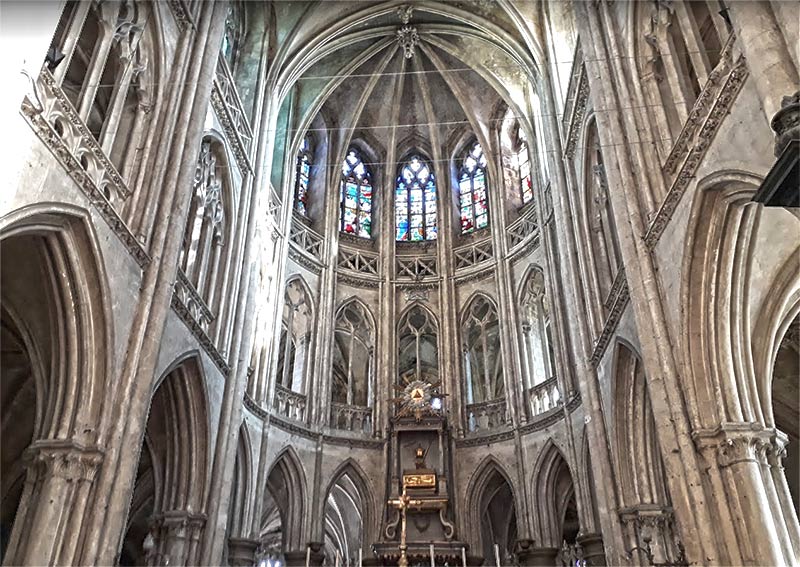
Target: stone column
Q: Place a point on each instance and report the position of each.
(48, 523)
(757, 522)
(313, 556)
(771, 68)
(178, 536)
(242, 552)
(530, 556)
(593, 550)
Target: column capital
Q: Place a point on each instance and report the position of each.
(65, 459)
(736, 442)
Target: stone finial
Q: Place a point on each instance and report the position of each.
(405, 13)
(786, 122)
(408, 38)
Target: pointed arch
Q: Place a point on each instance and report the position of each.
(718, 279)
(473, 188)
(356, 195)
(640, 469)
(491, 508)
(286, 483)
(556, 516)
(418, 344)
(52, 262)
(172, 476)
(415, 199)
(483, 358)
(350, 500)
(239, 513)
(355, 300)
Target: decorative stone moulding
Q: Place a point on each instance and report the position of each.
(306, 241)
(702, 138)
(358, 261)
(473, 254)
(182, 16)
(185, 304)
(522, 231)
(289, 404)
(229, 110)
(786, 122)
(734, 443)
(417, 268)
(408, 38)
(577, 114)
(56, 122)
(618, 304)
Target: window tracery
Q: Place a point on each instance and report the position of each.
(418, 354)
(352, 357)
(524, 166)
(482, 357)
(473, 202)
(415, 202)
(203, 237)
(302, 175)
(536, 332)
(356, 196)
(231, 40)
(295, 338)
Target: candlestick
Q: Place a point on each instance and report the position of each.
(463, 557)
(497, 555)
(433, 561)
(308, 556)
(360, 558)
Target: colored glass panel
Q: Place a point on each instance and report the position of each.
(356, 196)
(415, 202)
(472, 190)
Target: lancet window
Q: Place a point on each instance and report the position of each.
(204, 235)
(352, 356)
(483, 364)
(418, 356)
(356, 196)
(473, 202)
(302, 175)
(602, 230)
(415, 202)
(524, 166)
(100, 58)
(231, 40)
(295, 338)
(536, 334)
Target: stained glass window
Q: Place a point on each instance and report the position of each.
(473, 204)
(523, 160)
(415, 202)
(301, 176)
(356, 196)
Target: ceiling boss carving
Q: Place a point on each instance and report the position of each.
(408, 38)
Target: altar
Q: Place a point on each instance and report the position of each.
(419, 527)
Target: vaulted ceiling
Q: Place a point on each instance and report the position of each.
(403, 75)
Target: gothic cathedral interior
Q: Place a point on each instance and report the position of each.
(446, 283)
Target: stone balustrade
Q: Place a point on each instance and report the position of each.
(348, 417)
(544, 397)
(289, 403)
(482, 416)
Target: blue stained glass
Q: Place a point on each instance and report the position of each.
(472, 189)
(415, 194)
(356, 196)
